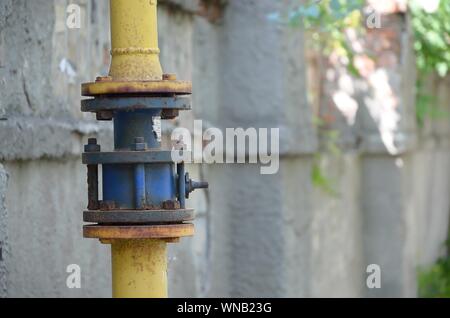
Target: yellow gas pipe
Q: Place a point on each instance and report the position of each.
(139, 266)
(134, 40)
(139, 257)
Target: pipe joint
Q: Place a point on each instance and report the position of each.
(144, 190)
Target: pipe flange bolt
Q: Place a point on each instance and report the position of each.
(92, 146)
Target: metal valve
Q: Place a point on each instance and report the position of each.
(192, 185)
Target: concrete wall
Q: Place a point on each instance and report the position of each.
(277, 235)
(42, 66)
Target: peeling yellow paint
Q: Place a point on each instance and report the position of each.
(139, 268)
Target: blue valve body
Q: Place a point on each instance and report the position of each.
(155, 181)
(138, 186)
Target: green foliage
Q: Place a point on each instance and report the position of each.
(319, 179)
(327, 15)
(326, 21)
(330, 139)
(435, 282)
(426, 106)
(432, 37)
(432, 49)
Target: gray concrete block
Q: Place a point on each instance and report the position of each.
(431, 204)
(32, 138)
(45, 200)
(335, 232)
(263, 85)
(386, 190)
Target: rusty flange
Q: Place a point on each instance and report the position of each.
(130, 103)
(139, 217)
(106, 86)
(167, 231)
(127, 157)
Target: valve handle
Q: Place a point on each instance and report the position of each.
(192, 185)
(186, 185)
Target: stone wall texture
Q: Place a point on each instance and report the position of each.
(257, 235)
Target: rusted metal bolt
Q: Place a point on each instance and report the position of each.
(171, 205)
(140, 144)
(92, 146)
(169, 77)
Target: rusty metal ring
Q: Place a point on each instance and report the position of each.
(134, 103)
(142, 88)
(138, 231)
(124, 217)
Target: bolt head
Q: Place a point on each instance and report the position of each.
(140, 144)
(140, 147)
(92, 146)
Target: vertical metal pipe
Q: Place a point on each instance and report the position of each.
(134, 39)
(139, 268)
(138, 251)
(131, 124)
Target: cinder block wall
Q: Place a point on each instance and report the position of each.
(256, 235)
